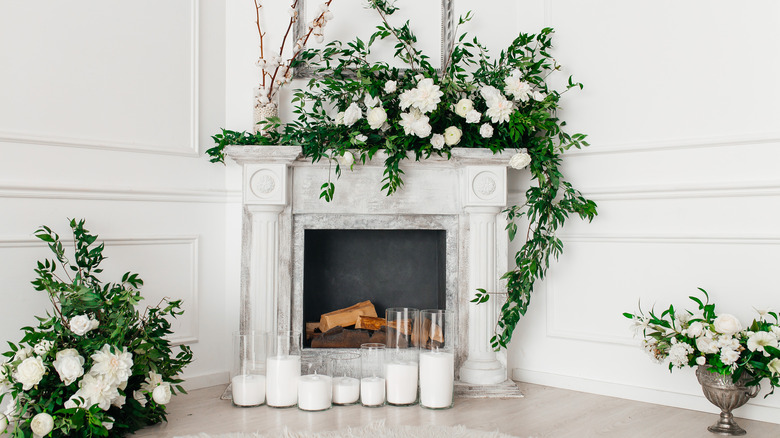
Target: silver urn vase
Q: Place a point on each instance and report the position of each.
(721, 391)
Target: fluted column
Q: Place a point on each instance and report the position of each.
(485, 197)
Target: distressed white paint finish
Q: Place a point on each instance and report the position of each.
(463, 196)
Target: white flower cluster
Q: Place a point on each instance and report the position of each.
(110, 371)
(678, 353)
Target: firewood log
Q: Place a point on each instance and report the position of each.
(346, 317)
(370, 322)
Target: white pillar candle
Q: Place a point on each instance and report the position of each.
(372, 391)
(437, 377)
(346, 390)
(248, 389)
(282, 380)
(401, 382)
(314, 392)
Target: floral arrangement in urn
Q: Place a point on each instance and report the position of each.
(356, 110)
(95, 365)
(718, 341)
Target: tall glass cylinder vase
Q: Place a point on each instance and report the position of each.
(372, 375)
(283, 369)
(437, 359)
(344, 369)
(401, 368)
(248, 376)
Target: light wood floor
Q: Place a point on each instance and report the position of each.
(544, 412)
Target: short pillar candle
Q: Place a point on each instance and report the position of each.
(248, 377)
(372, 380)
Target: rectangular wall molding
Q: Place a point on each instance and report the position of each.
(188, 149)
(118, 194)
(678, 144)
(189, 334)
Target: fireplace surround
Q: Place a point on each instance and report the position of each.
(463, 196)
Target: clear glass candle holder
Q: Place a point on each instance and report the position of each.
(437, 359)
(344, 369)
(401, 367)
(372, 375)
(283, 369)
(247, 381)
(315, 386)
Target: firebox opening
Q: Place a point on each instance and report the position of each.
(391, 268)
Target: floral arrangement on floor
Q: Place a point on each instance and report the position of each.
(719, 341)
(94, 364)
(355, 108)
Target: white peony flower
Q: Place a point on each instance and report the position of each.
(94, 390)
(452, 135)
(414, 123)
(473, 116)
(371, 102)
(520, 89)
(346, 160)
(80, 325)
(42, 424)
(437, 141)
(116, 366)
(69, 365)
(520, 160)
(463, 107)
(500, 111)
(352, 114)
(427, 96)
(339, 119)
(360, 138)
(407, 98)
(486, 130)
(696, 329)
(701, 360)
(151, 382)
(140, 398)
(729, 356)
(43, 347)
(162, 394)
(376, 117)
(119, 401)
(774, 366)
(678, 354)
(707, 345)
(727, 324)
(491, 95)
(538, 96)
(30, 372)
(757, 341)
(390, 86)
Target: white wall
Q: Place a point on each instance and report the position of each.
(681, 110)
(105, 111)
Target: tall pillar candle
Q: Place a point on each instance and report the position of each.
(282, 380)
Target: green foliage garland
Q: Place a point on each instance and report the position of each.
(355, 108)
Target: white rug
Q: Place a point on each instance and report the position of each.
(376, 430)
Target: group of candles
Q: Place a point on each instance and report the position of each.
(417, 363)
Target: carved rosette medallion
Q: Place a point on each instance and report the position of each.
(484, 185)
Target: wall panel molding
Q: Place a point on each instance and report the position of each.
(118, 194)
(678, 144)
(718, 189)
(555, 329)
(191, 333)
(188, 149)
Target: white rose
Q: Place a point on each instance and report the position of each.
(463, 107)
(437, 141)
(473, 116)
(370, 102)
(30, 372)
(486, 130)
(352, 114)
(346, 160)
(376, 117)
(452, 135)
(701, 360)
(390, 86)
(93, 324)
(42, 424)
(707, 345)
(69, 365)
(339, 119)
(696, 329)
(162, 394)
(774, 366)
(80, 325)
(727, 324)
(520, 160)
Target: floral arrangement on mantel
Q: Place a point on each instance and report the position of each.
(354, 108)
(94, 366)
(719, 341)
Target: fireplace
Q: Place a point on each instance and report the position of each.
(457, 203)
(391, 268)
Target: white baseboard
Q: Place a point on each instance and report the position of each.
(205, 380)
(649, 395)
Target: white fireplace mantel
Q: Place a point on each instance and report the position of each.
(464, 195)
